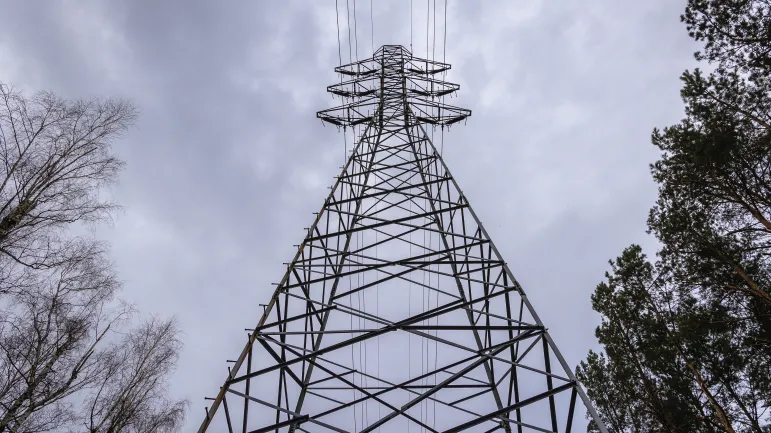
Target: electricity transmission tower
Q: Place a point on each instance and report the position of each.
(397, 313)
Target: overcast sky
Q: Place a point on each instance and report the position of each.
(228, 161)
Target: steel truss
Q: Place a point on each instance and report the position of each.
(397, 313)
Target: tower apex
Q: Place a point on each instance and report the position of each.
(377, 85)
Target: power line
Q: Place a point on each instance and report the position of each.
(377, 313)
(444, 49)
(409, 308)
(353, 359)
(339, 50)
(430, 239)
(430, 235)
(377, 286)
(444, 60)
(361, 282)
(348, 13)
(372, 26)
(355, 30)
(411, 30)
(433, 50)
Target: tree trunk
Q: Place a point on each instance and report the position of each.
(721, 415)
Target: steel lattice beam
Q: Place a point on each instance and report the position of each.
(397, 259)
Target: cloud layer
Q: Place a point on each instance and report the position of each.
(228, 162)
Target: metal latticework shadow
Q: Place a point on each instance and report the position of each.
(397, 313)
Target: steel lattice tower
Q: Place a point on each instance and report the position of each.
(397, 313)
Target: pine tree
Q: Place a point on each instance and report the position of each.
(688, 339)
(642, 354)
(672, 362)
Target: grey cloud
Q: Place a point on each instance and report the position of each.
(228, 160)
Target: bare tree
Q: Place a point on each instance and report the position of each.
(129, 398)
(55, 156)
(63, 363)
(50, 341)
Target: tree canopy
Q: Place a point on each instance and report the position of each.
(63, 364)
(687, 337)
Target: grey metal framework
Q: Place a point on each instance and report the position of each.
(397, 313)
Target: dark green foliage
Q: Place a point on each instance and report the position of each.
(687, 339)
(672, 362)
(644, 365)
(735, 33)
(713, 212)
